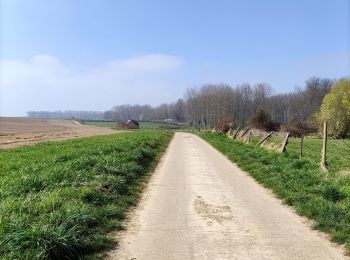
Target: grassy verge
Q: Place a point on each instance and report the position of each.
(338, 151)
(299, 182)
(59, 200)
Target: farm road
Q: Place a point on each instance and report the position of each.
(199, 205)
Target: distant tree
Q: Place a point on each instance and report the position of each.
(263, 121)
(83, 115)
(298, 127)
(336, 108)
(179, 110)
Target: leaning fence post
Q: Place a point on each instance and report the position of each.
(284, 144)
(301, 147)
(264, 140)
(229, 133)
(236, 133)
(249, 137)
(324, 148)
(244, 133)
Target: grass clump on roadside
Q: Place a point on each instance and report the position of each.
(299, 182)
(59, 200)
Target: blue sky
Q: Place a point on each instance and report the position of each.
(91, 55)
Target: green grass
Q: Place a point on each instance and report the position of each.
(109, 124)
(152, 125)
(338, 151)
(162, 125)
(299, 182)
(61, 200)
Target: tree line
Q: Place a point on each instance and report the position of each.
(69, 114)
(212, 104)
(175, 111)
(208, 106)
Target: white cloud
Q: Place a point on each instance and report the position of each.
(45, 83)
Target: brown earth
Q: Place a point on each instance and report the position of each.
(17, 131)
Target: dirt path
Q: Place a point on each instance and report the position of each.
(17, 131)
(198, 205)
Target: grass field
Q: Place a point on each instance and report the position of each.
(60, 200)
(324, 197)
(143, 124)
(110, 124)
(150, 125)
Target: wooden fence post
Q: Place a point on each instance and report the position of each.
(236, 133)
(284, 144)
(264, 140)
(301, 147)
(229, 133)
(324, 148)
(244, 133)
(249, 137)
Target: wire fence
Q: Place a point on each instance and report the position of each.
(305, 147)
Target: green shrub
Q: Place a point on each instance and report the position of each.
(336, 108)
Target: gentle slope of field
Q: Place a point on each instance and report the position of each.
(322, 197)
(199, 205)
(60, 199)
(16, 131)
(143, 124)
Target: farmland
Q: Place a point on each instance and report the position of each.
(19, 131)
(108, 124)
(62, 199)
(323, 197)
(143, 124)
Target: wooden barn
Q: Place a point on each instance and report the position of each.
(132, 124)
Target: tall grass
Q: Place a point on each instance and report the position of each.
(59, 200)
(299, 182)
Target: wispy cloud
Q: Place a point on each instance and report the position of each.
(45, 83)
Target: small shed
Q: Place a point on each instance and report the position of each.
(132, 124)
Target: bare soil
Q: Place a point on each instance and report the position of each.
(17, 131)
